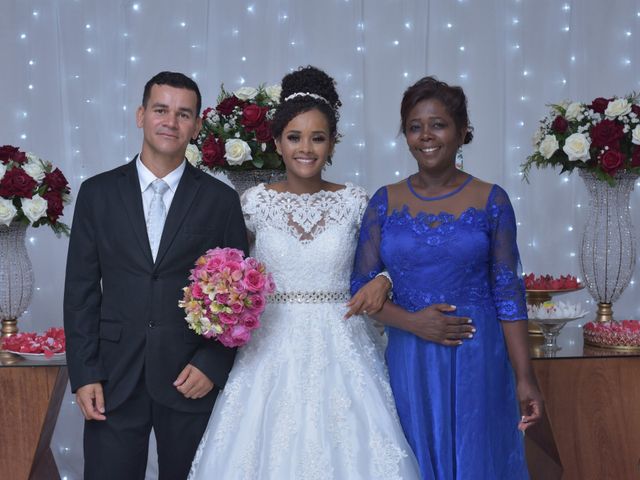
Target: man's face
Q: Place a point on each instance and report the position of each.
(169, 121)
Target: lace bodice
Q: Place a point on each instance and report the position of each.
(306, 241)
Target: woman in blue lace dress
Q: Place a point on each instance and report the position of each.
(457, 330)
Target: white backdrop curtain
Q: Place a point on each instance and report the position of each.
(73, 73)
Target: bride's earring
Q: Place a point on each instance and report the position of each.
(459, 159)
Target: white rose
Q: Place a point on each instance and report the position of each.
(635, 137)
(246, 93)
(3, 170)
(237, 151)
(34, 168)
(34, 208)
(193, 155)
(7, 211)
(574, 110)
(548, 146)
(618, 108)
(273, 92)
(576, 147)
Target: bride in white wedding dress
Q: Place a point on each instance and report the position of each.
(308, 396)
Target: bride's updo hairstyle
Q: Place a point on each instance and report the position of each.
(307, 88)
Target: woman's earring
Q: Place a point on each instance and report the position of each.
(459, 159)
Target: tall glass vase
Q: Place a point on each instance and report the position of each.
(16, 276)
(608, 254)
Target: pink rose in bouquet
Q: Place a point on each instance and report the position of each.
(226, 296)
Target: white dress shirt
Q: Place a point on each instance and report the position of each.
(146, 179)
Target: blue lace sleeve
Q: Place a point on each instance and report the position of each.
(367, 263)
(506, 271)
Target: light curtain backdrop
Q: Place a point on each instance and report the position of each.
(73, 73)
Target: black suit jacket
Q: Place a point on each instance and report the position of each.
(121, 313)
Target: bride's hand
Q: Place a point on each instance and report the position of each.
(370, 298)
(432, 324)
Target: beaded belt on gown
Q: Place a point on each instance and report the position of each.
(309, 297)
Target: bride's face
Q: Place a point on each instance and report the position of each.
(305, 144)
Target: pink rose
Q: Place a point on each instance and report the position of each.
(257, 303)
(240, 334)
(233, 254)
(250, 320)
(222, 298)
(251, 262)
(237, 307)
(254, 280)
(196, 291)
(227, 318)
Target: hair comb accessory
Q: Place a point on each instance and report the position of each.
(307, 94)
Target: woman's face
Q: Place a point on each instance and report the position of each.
(432, 135)
(305, 144)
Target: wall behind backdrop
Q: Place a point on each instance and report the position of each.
(74, 70)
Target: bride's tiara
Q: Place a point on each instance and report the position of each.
(307, 94)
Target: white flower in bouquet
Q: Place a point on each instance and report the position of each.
(237, 151)
(548, 146)
(273, 92)
(635, 137)
(34, 167)
(576, 146)
(3, 170)
(7, 211)
(574, 111)
(246, 93)
(618, 108)
(193, 155)
(34, 208)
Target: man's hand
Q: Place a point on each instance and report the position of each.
(90, 399)
(192, 383)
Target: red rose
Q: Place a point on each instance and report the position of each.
(213, 152)
(56, 180)
(54, 205)
(263, 132)
(206, 112)
(607, 132)
(226, 106)
(560, 124)
(635, 158)
(635, 109)
(599, 105)
(253, 115)
(611, 161)
(9, 153)
(16, 182)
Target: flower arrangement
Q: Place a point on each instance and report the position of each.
(624, 333)
(555, 311)
(49, 343)
(236, 134)
(548, 282)
(226, 296)
(32, 191)
(602, 137)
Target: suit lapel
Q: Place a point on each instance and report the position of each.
(129, 186)
(180, 205)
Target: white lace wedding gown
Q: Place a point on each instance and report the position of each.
(308, 396)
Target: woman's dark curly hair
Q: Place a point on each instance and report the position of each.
(452, 97)
(307, 80)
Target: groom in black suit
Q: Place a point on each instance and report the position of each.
(137, 230)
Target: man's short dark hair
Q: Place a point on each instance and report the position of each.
(173, 79)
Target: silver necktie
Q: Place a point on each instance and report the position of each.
(156, 216)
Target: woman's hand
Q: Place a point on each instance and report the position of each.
(531, 404)
(370, 298)
(432, 324)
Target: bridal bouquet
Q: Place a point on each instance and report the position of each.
(602, 137)
(236, 134)
(32, 191)
(226, 296)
